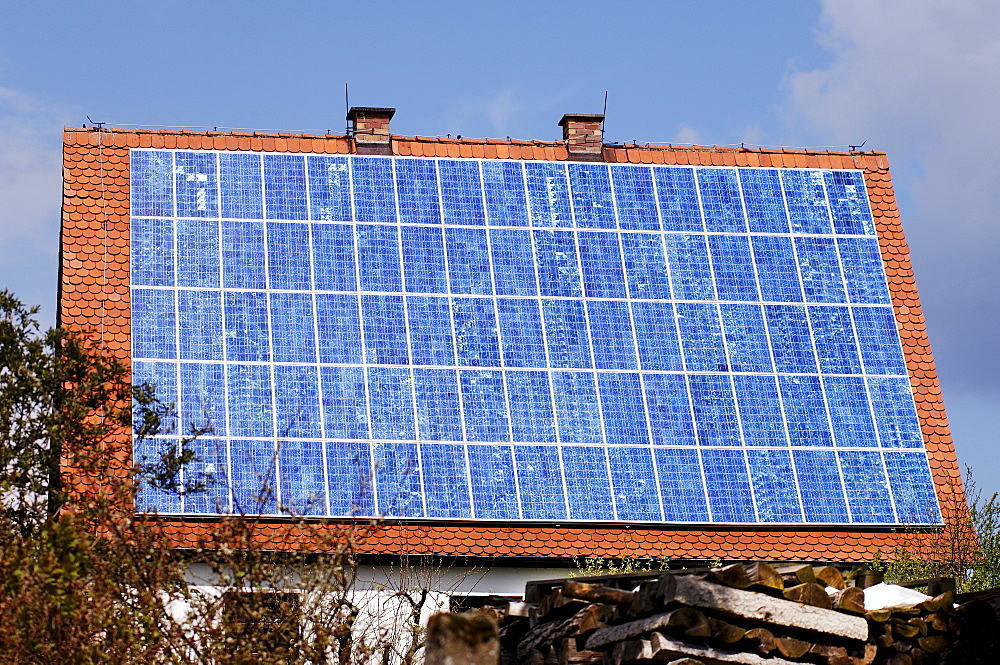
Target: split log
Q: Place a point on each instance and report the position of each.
(919, 623)
(665, 648)
(631, 650)
(794, 574)
(694, 623)
(764, 577)
(905, 631)
(596, 593)
(879, 616)
(734, 575)
(933, 643)
(829, 655)
(850, 599)
(828, 576)
(937, 622)
(791, 647)
(737, 603)
(809, 594)
(462, 639)
(760, 639)
(725, 632)
(584, 621)
(569, 653)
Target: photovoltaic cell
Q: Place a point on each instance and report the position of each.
(477, 339)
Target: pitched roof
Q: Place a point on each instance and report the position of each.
(94, 297)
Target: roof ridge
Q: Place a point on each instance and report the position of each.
(463, 140)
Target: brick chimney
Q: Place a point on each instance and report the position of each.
(582, 134)
(370, 128)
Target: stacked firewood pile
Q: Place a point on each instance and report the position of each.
(754, 614)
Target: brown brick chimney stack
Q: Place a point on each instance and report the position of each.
(370, 128)
(583, 137)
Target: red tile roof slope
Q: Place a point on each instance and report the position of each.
(94, 297)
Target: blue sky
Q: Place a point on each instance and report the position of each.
(918, 80)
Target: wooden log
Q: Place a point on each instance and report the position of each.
(686, 661)
(632, 650)
(663, 647)
(899, 659)
(879, 616)
(534, 658)
(809, 594)
(462, 639)
(734, 575)
(946, 601)
(867, 657)
(686, 590)
(584, 621)
(905, 631)
(933, 643)
(764, 577)
(791, 647)
(694, 623)
(920, 624)
(569, 653)
(883, 638)
(850, 599)
(937, 622)
(828, 576)
(725, 632)
(829, 654)
(794, 574)
(760, 639)
(596, 593)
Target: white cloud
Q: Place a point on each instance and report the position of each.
(686, 134)
(30, 163)
(30, 191)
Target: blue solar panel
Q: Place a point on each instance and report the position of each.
(440, 338)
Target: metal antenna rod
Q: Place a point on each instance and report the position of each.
(605, 114)
(347, 109)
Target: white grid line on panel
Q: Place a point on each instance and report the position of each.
(557, 369)
(593, 355)
(461, 409)
(592, 445)
(270, 341)
(704, 480)
(409, 345)
(373, 479)
(851, 306)
(503, 355)
(635, 345)
(319, 375)
(545, 341)
(225, 350)
(175, 293)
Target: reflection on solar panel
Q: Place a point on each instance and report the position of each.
(508, 340)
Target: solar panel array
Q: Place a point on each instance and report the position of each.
(504, 340)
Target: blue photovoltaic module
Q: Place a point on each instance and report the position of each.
(505, 340)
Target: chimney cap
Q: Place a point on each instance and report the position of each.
(581, 117)
(370, 111)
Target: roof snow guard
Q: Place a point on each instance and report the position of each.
(506, 352)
